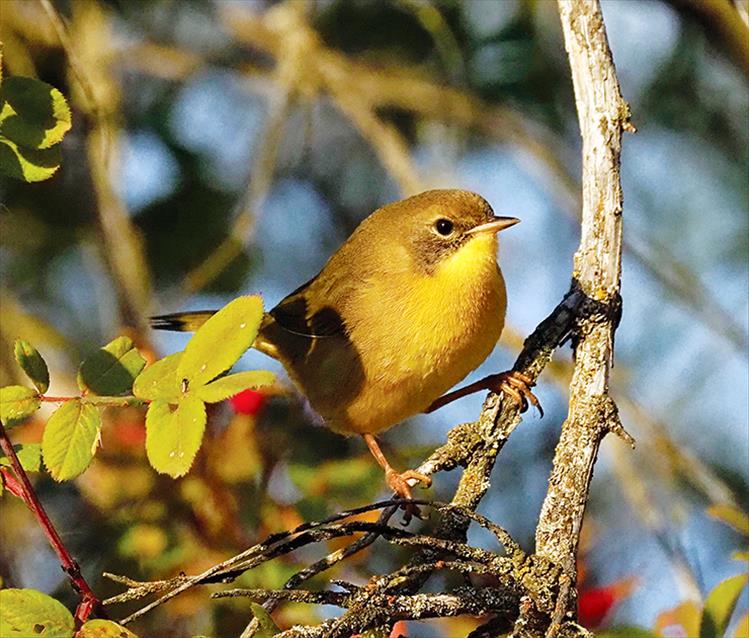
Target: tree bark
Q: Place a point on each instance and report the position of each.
(603, 115)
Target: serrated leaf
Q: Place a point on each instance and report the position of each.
(29, 456)
(27, 612)
(719, 606)
(16, 403)
(173, 436)
(233, 384)
(730, 515)
(104, 629)
(34, 114)
(159, 380)
(28, 164)
(267, 627)
(220, 341)
(32, 364)
(111, 370)
(70, 439)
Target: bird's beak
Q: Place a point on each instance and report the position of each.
(494, 226)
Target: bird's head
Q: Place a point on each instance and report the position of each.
(445, 227)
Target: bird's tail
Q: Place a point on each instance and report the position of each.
(182, 321)
(191, 321)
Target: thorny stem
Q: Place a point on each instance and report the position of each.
(89, 602)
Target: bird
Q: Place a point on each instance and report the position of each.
(411, 302)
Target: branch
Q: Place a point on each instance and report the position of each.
(603, 115)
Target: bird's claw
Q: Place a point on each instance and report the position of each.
(517, 386)
(399, 483)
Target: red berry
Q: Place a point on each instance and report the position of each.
(594, 604)
(248, 402)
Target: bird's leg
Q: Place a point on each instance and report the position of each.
(397, 481)
(514, 384)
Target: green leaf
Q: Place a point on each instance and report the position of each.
(173, 436)
(159, 380)
(32, 364)
(28, 164)
(730, 515)
(70, 439)
(16, 403)
(719, 606)
(220, 341)
(233, 384)
(104, 629)
(34, 114)
(27, 612)
(267, 627)
(112, 369)
(29, 455)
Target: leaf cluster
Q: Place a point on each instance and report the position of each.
(34, 118)
(176, 389)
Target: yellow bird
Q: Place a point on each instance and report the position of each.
(410, 304)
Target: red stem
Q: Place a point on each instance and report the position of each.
(11, 483)
(22, 488)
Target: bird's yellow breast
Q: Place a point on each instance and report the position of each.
(428, 332)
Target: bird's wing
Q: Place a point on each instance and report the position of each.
(297, 315)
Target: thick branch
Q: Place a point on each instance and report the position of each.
(603, 115)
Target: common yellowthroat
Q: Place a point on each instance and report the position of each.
(403, 310)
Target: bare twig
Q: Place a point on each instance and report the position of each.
(274, 545)
(325, 563)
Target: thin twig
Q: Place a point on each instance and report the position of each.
(322, 565)
(229, 568)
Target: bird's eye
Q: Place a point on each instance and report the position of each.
(443, 226)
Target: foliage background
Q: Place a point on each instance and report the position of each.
(177, 109)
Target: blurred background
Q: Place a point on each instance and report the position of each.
(223, 147)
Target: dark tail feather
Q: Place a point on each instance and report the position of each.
(181, 321)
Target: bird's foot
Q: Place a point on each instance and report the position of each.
(514, 384)
(517, 386)
(399, 483)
